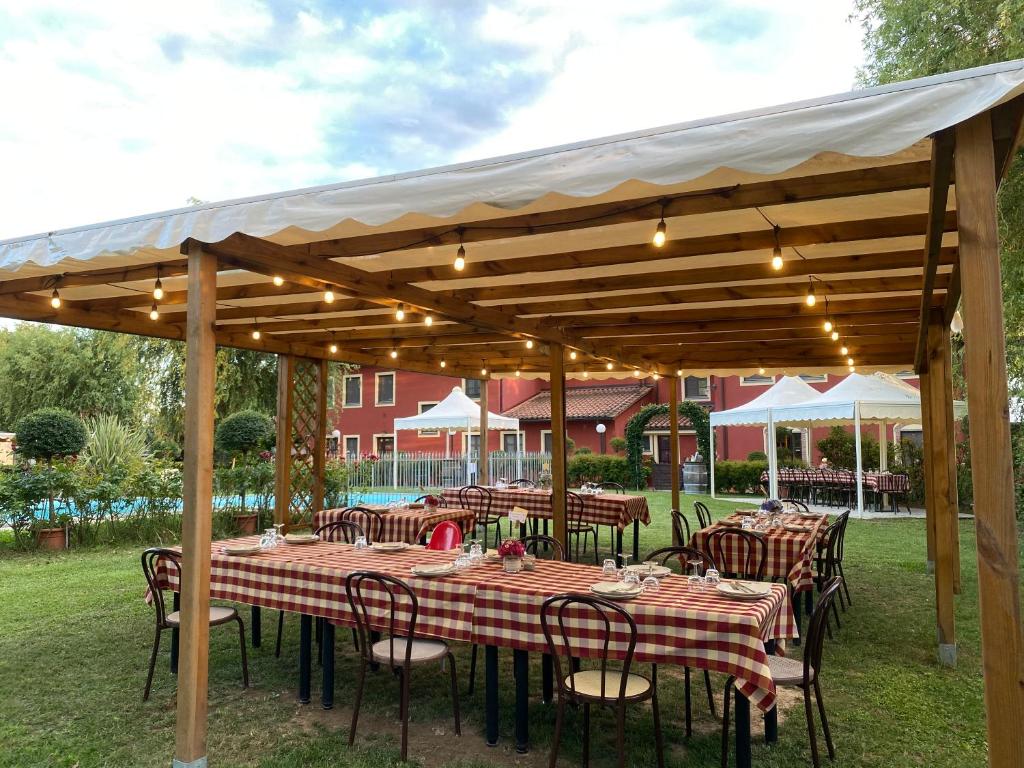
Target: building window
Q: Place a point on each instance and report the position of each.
(695, 388)
(812, 378)
(906, 375)
(427, 432)
(509, 442)
(385, 389)
(545, 441)
(351, 446)
(471, 442)
(756, 381)
(471, 388)
(383, 444)
(354, 390)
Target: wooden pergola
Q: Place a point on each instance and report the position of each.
(881, 205)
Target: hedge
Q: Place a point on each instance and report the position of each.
(594, 468)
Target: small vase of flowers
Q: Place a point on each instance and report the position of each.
(431, 503)
(512, 552)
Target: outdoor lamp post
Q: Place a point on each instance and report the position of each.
(601, 429)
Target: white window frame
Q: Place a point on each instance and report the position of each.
(343, 450)
(544, 432)
(705, 399)
(376, 388)
(520, 438)
(384, 434)
(814, 378)
(769, 381)
(419, 410)
(344, 390)
(466, 436)
(465, 390)
(651, 444)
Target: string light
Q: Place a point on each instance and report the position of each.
(444, 364)
(460, 255)
(400, 312)
(760, 371)
(278, 281)
(828, 325)
(334, 349)
(835, 335)
(55, 299)
(811, 299)
(154, 313)
(777, 250)
(655, 376)
(572, 355)
(609, 366)
(256, 331)
(679, 371)
(518, 373)
(529, 343)
(428, 320)
(853, 369)
(158, 288)
(843, 350)
(394, 353)
(660, 233)
(849, 361)
(586, 374)
(636, 373)
(329, 295)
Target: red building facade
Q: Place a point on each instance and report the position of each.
(363, 406)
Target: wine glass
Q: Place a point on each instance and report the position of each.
(695, 581)
(279, 532)
(625, 563)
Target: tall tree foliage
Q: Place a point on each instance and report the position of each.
(914, 38)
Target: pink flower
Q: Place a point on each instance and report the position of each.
(511, 548)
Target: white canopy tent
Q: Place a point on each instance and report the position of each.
(786, 391)
(879, 399)
(455, 412)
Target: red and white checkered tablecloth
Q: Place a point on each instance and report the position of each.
(612, 509)
(790, 555)
(703, 630)
(408, 525)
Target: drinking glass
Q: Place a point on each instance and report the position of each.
(625, 564)
(712, 577)
(278, 532)
(651, 584)
(695, 581)
(476, 553)
(608, 569)
(462, 562)
(631, 577)
(748, 523)
(265, 540)
(360, 542)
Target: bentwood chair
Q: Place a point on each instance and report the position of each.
(738, 553)
(804, 675)
(481, 501)
(344, 531)
(703, 514)
(219, 614)
(523, 483)
(370, 520)
(681, 556)
(579, 529)
(378, 600)
(612, 486)
(828, 562)
(796, 505)
(604, 686)
(441, 501)
(680, 527)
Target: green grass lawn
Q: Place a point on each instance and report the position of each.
(75, 636)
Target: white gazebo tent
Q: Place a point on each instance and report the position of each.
(788, 390)
(879, 399)
(456, 412)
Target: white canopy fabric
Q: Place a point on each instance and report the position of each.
(879, 397)
(827, 133)
(788, 390)
(456, 411)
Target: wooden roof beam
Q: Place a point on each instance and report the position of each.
(179, 298)
(93, 277)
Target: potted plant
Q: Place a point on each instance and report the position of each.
(240, 435)
(52, 535)
(431, 503)
(512, 552)
(43, 435)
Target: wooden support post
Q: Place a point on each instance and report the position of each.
(941, 467)
(559, 481)
(950, 432)
(673, 447)
(484, 473)
(283, 457)
(929, 493)
(1002, 640)
(197, 499)
(320, 439)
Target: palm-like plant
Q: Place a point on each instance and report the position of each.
(114, 445)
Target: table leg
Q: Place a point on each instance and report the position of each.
(305, 655)
(256, 630)
(742, 730)
(327, 645)
(797, 613)
(174, 636)
(520, 661)
(547, 670)
(491, 693)
(771, 726)
(618, 543)
(636, 540)
(374, 638)
(809, 602)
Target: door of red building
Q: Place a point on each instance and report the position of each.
(664, 455)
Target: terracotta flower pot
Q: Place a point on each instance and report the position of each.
(51, 538)
(246, 524)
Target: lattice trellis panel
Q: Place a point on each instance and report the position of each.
(300, 439)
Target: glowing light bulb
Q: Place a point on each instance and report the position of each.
(853, 369)
(529, 343)
(811, 298)
(334, 349)
(394, 353)
(329, 296)
(655, 376)
(572, 355)
(760, 371)
(843, 350)
(586, 374)
(679, 371)
(828, 326)
(400, 312)
(444, 364)
(835, 335)
(483, 371)
(636, 373)
(428, 320)
(158, 290)
(460, 259)
(776, 258)
(55, 299)
(609, 366)
(517, 373)
(849, 361)
(256, 334)
(956, 324)
(154, 313)
(278, 281)
(660, 234)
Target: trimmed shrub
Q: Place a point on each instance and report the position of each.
(739, 476)
(840, 450)
(583, 450)
(757, 456)
(244, 432)
(50, 432)
(594, 468)
(618, 444)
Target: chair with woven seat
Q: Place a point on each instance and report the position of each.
(481, 501)
(680, 527)
(804, 675)
(370, 520)
(377, 601)
(738, 553)
(219, 614)
(683, 556)
(703, 514)
(578, 528)
(604, 686)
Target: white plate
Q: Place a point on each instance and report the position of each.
(615, 590)
(430, 571)
(659, 571)
(810, 515)
(797, 528)
(303, 538)
(249, 549)
(759, 590)
(388, 546)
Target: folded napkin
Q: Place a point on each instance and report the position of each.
(615, 587)
(433, 568)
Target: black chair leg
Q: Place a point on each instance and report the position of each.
(360, 681)
(846, 589)
(455, 695)
(811, 730)
(711, 696)
(280, 632)
(687, 702)
(659, 742)
(725, 722)
(472, 672)
(152, 665)
(586, 735)
(245, 658)
(824, 721)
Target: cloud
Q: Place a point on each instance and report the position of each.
(119, 108)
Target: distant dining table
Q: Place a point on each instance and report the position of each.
(679, 624)
(408, 524)
(616, 510)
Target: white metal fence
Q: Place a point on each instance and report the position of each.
(435, 470)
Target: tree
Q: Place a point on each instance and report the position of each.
(244, 432)
(914, 38)
(50, 432)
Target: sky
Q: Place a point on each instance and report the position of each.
(113, 109)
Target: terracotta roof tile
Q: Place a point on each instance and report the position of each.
(582, 403)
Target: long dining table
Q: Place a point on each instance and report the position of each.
(616, 510)
(408, 524)
(677, 625)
